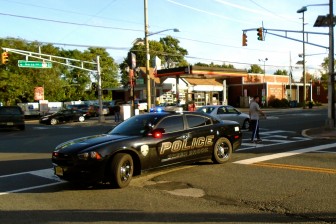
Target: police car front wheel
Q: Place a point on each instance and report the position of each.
(122, 170)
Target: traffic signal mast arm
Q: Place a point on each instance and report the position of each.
(271, 32)
(52, 58)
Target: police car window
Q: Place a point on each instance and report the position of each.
(172, 124)
(197, 121)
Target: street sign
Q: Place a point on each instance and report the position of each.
(34, 64)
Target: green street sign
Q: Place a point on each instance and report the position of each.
(34, 64)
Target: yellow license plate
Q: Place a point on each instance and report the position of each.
(59, 171)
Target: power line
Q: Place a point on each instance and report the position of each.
(72, 12)
(70, 23)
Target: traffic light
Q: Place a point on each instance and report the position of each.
(260, 34)
(244, 39)
(4, 58)
(131, 60)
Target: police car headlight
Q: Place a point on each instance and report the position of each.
(236, 128)
(89, 155)
(159, 110)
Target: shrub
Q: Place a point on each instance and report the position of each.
(277, 103)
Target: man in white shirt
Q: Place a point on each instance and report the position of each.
(254, 113)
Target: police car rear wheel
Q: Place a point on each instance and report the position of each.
(222, 151)
(122, 170)
(53, 121)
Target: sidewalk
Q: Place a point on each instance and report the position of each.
(320, 133)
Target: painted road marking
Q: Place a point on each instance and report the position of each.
(272, 138)
(45, 173)
(294, 167)
(284, 154)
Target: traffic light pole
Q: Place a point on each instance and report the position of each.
(56, 59)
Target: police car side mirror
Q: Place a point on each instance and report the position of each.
(157, 133)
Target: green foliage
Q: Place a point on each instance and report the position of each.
(255, 69)
(281, 72)
(325, 71)
(61, 83)
(212, 65)
(167, 49)
(277, 103)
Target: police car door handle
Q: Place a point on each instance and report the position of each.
(183, 137)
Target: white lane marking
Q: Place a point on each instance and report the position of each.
(45, 173)
(274, 132)
(285, 154)
(30, 188)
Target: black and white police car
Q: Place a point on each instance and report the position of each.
(145, 142)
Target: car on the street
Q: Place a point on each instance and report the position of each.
(139, 104)
(227, 112)
(12, 117)
(145, 142)
(167, 107)
(62, 116)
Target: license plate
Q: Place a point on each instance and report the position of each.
(59, 171)
(10, 123)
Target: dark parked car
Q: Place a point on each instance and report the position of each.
(87, 109)
(62, 116)
(146, 142)
(12, 117)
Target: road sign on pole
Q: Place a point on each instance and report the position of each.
(34, 64)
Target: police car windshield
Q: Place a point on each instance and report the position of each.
(137, 125)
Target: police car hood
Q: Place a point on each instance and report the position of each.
(80, 144)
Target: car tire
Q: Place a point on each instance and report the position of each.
(222, 151)
(246, 124)
(122, 170)
(53, 121)
(81, 119)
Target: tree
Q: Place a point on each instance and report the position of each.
(61, 83)
(309, 77)
(255, 69)
(325, 72)
(167, 49)
(215, 65)
(281, 72)
(173, 52)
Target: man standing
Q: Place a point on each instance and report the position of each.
(117, 113)
(254, 113)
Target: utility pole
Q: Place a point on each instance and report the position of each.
(331, 83)
(148, 83)
(100, 101)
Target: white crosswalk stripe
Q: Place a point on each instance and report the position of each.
(272, 138)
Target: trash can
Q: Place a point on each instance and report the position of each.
(310, 104)
(125, 111)
(293, 103)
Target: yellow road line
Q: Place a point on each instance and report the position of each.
(293, 167)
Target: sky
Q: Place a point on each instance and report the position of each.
(210, 30)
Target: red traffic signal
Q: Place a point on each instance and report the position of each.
(260, 34)
(4, 58)
(244, 42)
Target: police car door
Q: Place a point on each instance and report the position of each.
(171, 147)
(201, 136)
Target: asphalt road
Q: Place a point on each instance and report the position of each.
(286, 179)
